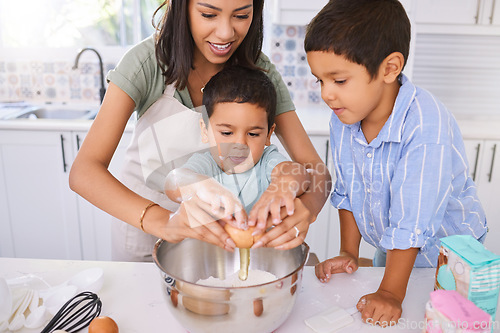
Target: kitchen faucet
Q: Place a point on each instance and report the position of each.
(102, 91)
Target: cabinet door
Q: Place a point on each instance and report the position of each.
(296, 12)
(447, 11)
(489, 192)
(318, 235)
(6, 241)
(95, 224)
(42, 209)
(473, 150)
(494, 17)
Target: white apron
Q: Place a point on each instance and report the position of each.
(165, 136)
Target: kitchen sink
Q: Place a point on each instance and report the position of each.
(54, 113)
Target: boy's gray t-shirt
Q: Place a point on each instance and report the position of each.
(247, 186)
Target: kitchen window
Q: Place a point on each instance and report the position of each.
(47, 26)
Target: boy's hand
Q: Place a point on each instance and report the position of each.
(381, 308)
(277, 195)
(344, 263)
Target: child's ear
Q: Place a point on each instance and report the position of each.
(392, 66)
(204, 131)
(271, 130)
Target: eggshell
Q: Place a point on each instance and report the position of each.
(103, 325)
(242, 238)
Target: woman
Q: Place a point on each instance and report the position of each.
(163, 79)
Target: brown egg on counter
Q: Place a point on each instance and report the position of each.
(103, 325)
(242, 238)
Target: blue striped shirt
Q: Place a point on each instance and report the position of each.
(410, 186)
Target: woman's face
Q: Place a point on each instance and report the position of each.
(218, 27)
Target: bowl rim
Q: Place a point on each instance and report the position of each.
(295, 271)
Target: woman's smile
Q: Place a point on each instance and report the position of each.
(220, 49)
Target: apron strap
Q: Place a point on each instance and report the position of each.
(169, 90)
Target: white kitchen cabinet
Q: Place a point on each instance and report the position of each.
(488, 187)
(484, 162)
(299, 12)
(474, 157)
(447, 11)
(295, 12)
(95, 224)
(318, 235)
(495, 13)
(39, 214)
(6, 241)
(457, 12)
(41, 217)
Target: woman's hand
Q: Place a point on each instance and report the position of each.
(291, 232)
(194, 219)
(183, 185)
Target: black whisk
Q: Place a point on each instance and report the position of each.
(75, 314)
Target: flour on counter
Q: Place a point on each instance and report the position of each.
(255, 277)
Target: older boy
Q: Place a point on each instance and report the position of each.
(402, 174)
(240, 107)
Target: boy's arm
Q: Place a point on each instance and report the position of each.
(350, 237)
(384, 307)
(399, 265)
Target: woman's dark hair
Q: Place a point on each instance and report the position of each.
(245, 86)
(363, 31)
(175, 45)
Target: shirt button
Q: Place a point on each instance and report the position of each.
(372, 224)
(368, 190)
(418, 231)
(369, 155)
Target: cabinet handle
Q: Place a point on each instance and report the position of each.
(477, 11)
(63, 155)
(492, 11)
(478, 148)
(77, 142)
(327, 150)
(490, 175)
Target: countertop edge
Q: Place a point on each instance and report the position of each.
(315, 120)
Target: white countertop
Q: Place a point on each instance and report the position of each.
(131, 294)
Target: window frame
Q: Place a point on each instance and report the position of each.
(110, 54)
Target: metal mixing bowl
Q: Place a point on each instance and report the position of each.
(259, 308)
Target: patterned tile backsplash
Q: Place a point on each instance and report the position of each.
(287, 53)
(42, 82)
(57, 82)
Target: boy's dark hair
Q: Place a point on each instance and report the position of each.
(363, 31)
(175, 45)
(240, 84)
